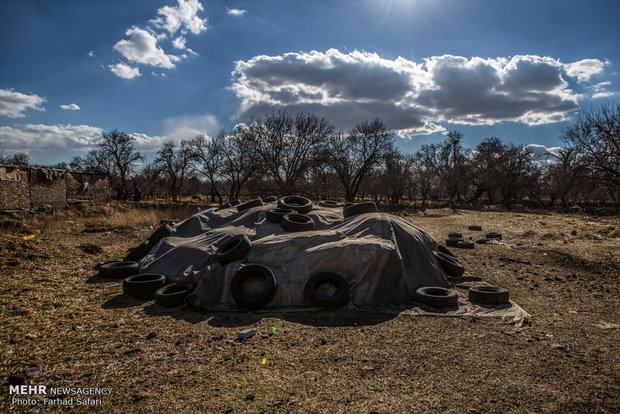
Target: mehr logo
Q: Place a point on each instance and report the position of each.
(28, 389)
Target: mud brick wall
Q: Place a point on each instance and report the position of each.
(45, 191)
(14, 194)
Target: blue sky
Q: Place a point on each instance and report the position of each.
(161, 70)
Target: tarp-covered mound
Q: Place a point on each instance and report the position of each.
(383, 258)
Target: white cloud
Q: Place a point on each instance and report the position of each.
(584, 69)
(183, 15)
(70, 107)
(68, 137)
(124, 71)
(13, 104)
(142, 48)
(38, 136)
(605, 94)
(91, 54)
(235, 12)
(411, 97)
(187, 127)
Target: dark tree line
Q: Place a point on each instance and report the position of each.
(304, 154)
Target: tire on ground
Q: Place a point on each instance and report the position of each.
(449, 265)
(329, 204)
(475, 227)
(360, 208)
(455, 235)
(465, 245)
(452, 242)
(254, 203)
(302, 205)
(482, 241)
(275, 214)
(297, 222)
(233, 249)
(173, 295)
(339, 299)
(118, 270)
(256, 300)
(489, 295)
(99, 264)
(445, 250)
(494, 235)
(437, 297)
(143, 286)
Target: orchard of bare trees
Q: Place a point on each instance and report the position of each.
(283, 154)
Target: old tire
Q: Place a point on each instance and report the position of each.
(269, 199)
(494, 235)
(482, 241)
(173, 295)
(465, 245)
(339, 299)
(360, 208)
(437, 297)
(475, 227)
(449, 265)
(135, 254)
(443, 249)
(118, 270)
(98, 265)
(233, 249)
(452, 242)
(254, 203)
(489, 295)
(302, 205)
(143, 286)
(275, 214)
(455, 235)
(297, 222)
(255, 300)
(235, 203)
(329, 204)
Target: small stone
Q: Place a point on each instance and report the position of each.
(264, 336)
(573, 233)
(151, 335)
(558, 347)
(30, 336)
(141, 396)
(33, 371)
(249, 397)
(246, 333)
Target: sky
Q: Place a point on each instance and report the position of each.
(170, 69)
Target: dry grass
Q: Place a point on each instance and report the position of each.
(84, 332)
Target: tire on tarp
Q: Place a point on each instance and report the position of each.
(337, 300)
(489, 295)
(437, 297)
(254, 203)
(275, 214)
(269, 199)
(449, 265)
(254, 300)
(302, 205)
(329, 204)
(233, 249)
(297, 222)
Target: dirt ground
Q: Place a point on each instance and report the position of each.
(562, 269)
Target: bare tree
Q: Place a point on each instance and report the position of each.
(174, 165)
(208, 160)
(452, 165)
(596, 135)
(21, 159)
(239, 161)
(353, 155)
(288, 145)
(96, 160)
(118, 147)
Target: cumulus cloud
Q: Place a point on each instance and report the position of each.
(411, 97)
(66, 137)
(183, 15)
(124, 71)
(142, 47)
(187, 127)
(235, 12)
(91, 54)
(70, 107)
(584, 69)
(13, 104)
